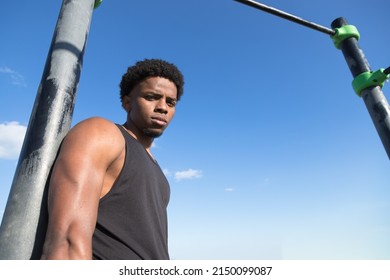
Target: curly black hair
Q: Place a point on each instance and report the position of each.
(151, 68)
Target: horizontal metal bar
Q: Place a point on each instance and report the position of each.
(288, 16)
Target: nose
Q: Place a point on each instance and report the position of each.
(161, 106)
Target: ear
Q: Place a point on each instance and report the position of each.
(126, 103)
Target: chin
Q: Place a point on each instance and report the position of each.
(152, 133)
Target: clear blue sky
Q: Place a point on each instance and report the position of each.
(271, 154)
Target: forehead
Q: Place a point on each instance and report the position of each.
(158, 85)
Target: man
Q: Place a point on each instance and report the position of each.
(107, 194)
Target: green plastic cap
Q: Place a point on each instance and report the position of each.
(369, 79)
(344, 32)
(97, 3)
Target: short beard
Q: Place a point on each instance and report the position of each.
(152, 134)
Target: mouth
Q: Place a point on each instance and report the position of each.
(160, 121)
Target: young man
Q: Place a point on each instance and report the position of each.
(107, 194)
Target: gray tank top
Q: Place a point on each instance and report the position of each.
(132, 217)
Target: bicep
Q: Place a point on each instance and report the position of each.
(74, 192)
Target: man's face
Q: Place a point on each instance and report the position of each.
(150, 106)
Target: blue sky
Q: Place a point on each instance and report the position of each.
(271, 155)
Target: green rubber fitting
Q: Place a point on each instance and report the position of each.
(97, 3)
(344, 32)
(369, 79)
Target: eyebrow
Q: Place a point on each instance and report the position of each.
(156, 93)
(172, 98)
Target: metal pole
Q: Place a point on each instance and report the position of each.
(23, 227)
(287, 16)
(373, 97)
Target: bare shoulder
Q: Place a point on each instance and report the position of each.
(97, 135)
(95, 125)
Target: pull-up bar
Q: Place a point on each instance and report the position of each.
(287, 16)
(367, 84)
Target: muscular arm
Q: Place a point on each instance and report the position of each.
(80, 177)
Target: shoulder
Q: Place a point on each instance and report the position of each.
(95, 127)
(95, 123)
(97, 135)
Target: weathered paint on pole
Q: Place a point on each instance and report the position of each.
(23, 226)
(374, 99)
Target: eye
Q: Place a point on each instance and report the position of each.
(150, 97)
(171, 102)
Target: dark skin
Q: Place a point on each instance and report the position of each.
(90, 160)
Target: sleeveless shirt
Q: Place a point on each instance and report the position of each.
(132, 216)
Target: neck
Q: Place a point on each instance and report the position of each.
(145, 141)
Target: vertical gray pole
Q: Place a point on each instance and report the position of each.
(23, 227)
(374, 99)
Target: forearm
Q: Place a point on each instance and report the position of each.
(67, 249)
